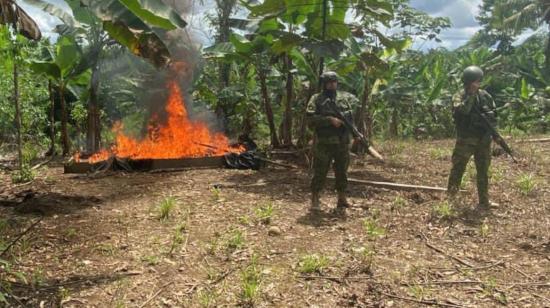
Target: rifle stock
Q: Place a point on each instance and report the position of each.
(494, 133)
(354, 131)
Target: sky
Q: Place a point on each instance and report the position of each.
(461, 12)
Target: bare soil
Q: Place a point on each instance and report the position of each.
(101, 242)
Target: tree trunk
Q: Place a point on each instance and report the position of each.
(287, 123)
(17, 111)
(224, 10)
(64, 119)
(52, 118)
(302, 139)
(224, 69)
(323, 37)
(547, 51)
(364, 118)
(267, 105)
(394, 125)
(93, 132)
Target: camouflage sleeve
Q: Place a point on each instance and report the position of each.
(352, 102)
(489, 108)
(313, 118)
(490, 102)
(463, 106)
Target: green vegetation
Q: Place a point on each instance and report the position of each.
(250, 282)
(444, 210)
(372, 229)
(313, 263)
(526, 183)
(249, 73)
(265, 213)
(235, 240)
(165, 207)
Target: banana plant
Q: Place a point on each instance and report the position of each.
(135, 24)
(526, 14)
(251, 52)
(100, 23)
(65, 67)
(13, 15)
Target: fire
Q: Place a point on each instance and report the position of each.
(179, 137)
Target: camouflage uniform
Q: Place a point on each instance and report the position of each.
(331, 143)
(473, 138)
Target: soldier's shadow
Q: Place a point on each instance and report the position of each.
(470, 216)
(320, 219)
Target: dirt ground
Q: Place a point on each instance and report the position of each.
(233, 237)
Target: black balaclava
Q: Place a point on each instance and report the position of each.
(329, 93)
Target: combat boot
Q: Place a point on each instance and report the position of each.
(452, 192)
(315, 203)
(486, 205)
(341, 205)
(342, 200)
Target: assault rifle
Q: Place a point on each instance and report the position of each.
(494, 133)
(353, 129)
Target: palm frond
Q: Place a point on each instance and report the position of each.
(12, 14)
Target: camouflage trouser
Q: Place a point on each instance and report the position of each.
(323, 155)
(464, 149)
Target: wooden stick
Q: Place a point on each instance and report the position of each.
(441, 282)
(335, 278)
(425, 302)
(20, 236)
(395, 186)
(156, 294)
(535, 140)
(512, 284)
(222, 276)
(499, 262)
(426, 241)
(275, 163)
(73, 282)
(541, 297)
(290, 152)
(188, 232)
(527, 284)
(14, 297)
(41, 164)
(520, 271)
(448, 255)
(6, 167)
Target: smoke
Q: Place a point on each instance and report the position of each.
(149, 84)
(184, 67)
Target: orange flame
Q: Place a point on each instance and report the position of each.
(180, 137)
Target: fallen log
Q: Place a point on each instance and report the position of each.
(6, 167)
(394, 186)
(41, 164)
(539, 140)
(276, 163)
(20, 236)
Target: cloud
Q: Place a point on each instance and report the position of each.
(462, 15)
(429, 6)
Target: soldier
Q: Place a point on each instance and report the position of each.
(473, 135)
(332, 139)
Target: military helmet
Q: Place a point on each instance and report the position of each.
(471, 74)
(329, 76)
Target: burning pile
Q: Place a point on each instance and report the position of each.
(179, 137)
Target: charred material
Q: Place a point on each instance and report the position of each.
(119, 164)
